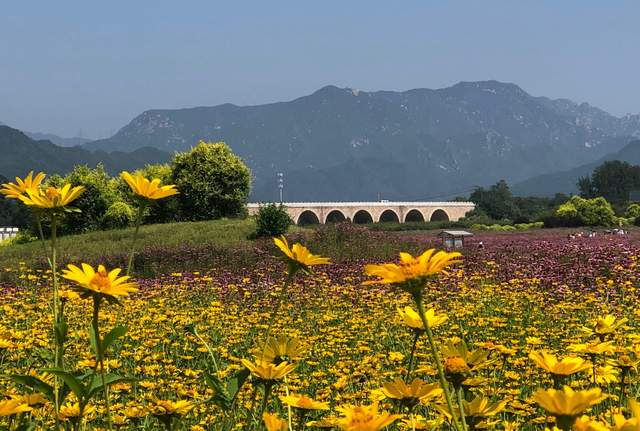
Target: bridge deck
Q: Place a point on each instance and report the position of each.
(372, 212)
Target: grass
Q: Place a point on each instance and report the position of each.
(115, 244)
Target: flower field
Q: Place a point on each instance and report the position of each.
(273, 347)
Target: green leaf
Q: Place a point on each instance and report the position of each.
(109, 379)
(235, 383)
(112, 336)
(93, 340)
(220, 396)
(70, 380)
(61, 330)
(34, 383)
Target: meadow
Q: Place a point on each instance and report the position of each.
(345, 347)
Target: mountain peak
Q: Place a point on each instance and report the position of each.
(332, 90)
(492, 86)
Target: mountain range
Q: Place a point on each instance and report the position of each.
(21, 154)
(345, 144)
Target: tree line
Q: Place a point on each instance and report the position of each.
(212, 181)
(604, 199)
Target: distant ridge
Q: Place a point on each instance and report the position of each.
(566, 181)
(346, 144)
(21, 154)
(55, 139)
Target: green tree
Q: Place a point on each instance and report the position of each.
(612, 180)
(118, 216)
(497, 202)
(12, 212)
(632, 211)
(590, 212)
(272, 220)
(213, 182)
(585, 186)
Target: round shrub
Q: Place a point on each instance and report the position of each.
(100, 192)
(118, 216)
(585, 212)
(272, 220)
(633, 211)
(213, 182)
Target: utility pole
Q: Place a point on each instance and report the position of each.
(280, 176)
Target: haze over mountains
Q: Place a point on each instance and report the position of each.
(58, 140)
(345, 144)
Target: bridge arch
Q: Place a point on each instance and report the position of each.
(335, 216)
(414, 216)
(388, 215)
(439, 215)
(362, 217)
(307, 217)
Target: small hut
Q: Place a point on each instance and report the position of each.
(454, 239)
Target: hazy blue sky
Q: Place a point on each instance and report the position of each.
(70, 65)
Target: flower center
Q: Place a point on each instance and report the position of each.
(100, 280)
(456, 365)
(52, 193)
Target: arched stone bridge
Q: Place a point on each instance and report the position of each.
(372, 212)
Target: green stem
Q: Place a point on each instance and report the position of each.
(461, 407)
(436, 358)
(135, 236)
(41, 234)
(206, 345)
(276, 309)
(565, 423)
(623, 378)
(412, 356)
(57, 348)
(265, 400)
(100, 356)
(289, 412)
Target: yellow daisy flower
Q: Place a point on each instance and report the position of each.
(412, 319)
(13, 407)
(412, 273)
(411, 394)
(299, 255)
(99, 282)
(268, 371)
(567, 402)
(51, 197)
(20, 187)
(273, 423)
(303, 402)
(364, 418)
(144, 188)
(564, 367)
